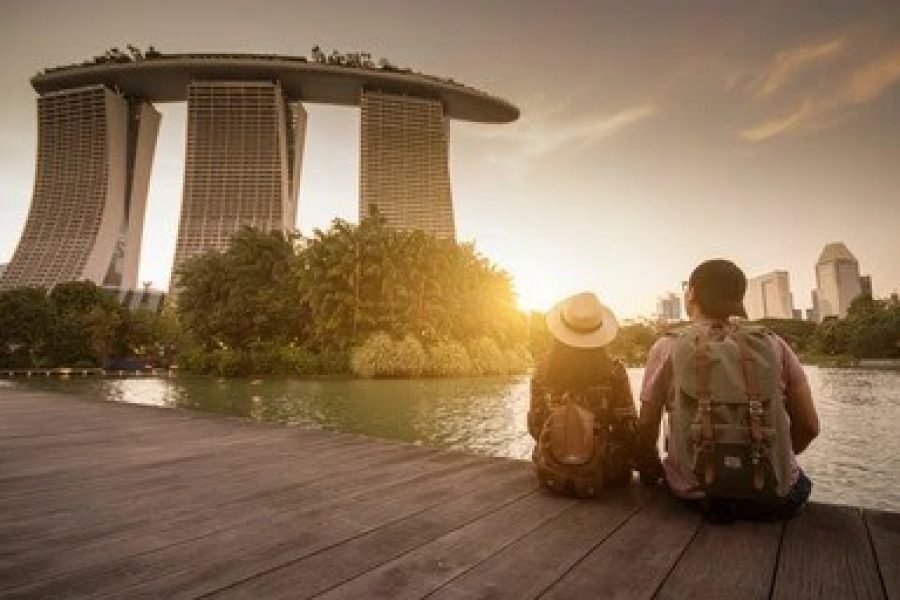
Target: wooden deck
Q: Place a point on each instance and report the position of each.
(111, 500)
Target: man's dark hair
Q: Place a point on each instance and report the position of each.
(719, 286)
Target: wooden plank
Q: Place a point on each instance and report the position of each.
(532, 564)
(425, 569)
(636, 559)
(107, 496)
(884, 531)
(826, 553)
(237, 552)
(735, 560)
(321, 571)
(202, 510)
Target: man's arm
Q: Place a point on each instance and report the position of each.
(657, 374)
(798, 401)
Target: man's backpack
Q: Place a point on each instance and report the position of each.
(578, 452)
(727, 422)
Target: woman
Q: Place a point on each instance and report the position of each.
(582, 414)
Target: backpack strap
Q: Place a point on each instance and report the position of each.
(754, 407)
(707, 432)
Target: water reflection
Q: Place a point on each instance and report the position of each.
(854, 461)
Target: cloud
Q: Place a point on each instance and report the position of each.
(859, 84)
(872, 79)
(549, 132)
(789, 63)
(775, 126)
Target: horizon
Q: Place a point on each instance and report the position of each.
(789, 114)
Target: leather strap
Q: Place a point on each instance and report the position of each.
(707, 432)
(754, 406)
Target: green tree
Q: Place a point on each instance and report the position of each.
(86, 324)
(247, 294)
(633, 343)
(26, 327)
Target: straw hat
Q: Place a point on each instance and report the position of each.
(582, 321)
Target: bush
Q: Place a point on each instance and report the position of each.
(409, 357)
(231, 363)
(448, 359)
(380, 356)
(333, 362)
(518, 360)
(486, 357)
(372, 357)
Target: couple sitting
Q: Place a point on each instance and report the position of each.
(738, 405)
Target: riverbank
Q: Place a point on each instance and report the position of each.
(123, 500)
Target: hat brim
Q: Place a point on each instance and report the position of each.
(595, 339)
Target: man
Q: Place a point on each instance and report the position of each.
(738, 402)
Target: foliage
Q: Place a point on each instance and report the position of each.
(77, 324)
(248, 294)
(26, 325)
(86, 324)
(798, 334)
(381, 356)
(448, 359)
(487, 359)
(366, 279)
(633, 343)
(539, 337)
(871, 330)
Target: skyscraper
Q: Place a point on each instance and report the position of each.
(95, 148)
(668, 307)
(244, 149)
(403, 163)
(837, 281)
(769, 297)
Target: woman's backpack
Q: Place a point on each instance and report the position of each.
(580, 451)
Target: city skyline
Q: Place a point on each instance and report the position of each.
(636, 156)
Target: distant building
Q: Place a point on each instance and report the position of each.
(811, 315)
(798, 314)
(769, 297)
(3, 269)
(865, 285)
(668, 307)
(139, 299)
(837, 281)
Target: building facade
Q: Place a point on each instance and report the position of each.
(668, 307)
(404, 173)
(837, 281)
(95, 149)
(769, 297)
(242, 169)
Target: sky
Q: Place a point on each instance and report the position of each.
(652, 136)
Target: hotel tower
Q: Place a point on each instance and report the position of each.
(244, 152)
(403, 163)
(95, 148)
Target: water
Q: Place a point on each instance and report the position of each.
(854, 460)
